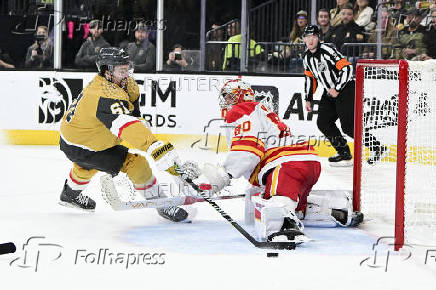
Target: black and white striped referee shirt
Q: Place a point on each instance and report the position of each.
(326, 66)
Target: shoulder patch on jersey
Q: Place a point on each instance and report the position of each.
(239, 110)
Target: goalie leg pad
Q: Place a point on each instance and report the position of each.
(271, 214)
(319, 215)
(331, 208)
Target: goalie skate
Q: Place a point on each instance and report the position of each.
(289, 232)
(341, 216)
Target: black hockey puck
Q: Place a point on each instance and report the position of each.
(7, 248)
(269, 255)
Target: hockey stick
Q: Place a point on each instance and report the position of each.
(250, 238)
(164, 202)
(111, 196)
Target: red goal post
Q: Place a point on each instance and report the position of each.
(395, 103)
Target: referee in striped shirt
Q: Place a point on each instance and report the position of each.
(325, 65)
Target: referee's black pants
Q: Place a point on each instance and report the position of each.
(342, 108)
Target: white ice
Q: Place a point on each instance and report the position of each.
(205, 254)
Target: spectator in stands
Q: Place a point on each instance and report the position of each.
(142, 52)
(418, 15)
(176, 60)
(89, 50)
(427, 19)
(389, 35)
(214, 51)
(233, 28)
(410, 41)
(215, 33)
(5, 60)
(290, 54)
(40, 53)
(323, 20)
(347, 32)
(398, 12)
(298, 27)
(233, 49)
(335, 13)
(430, 39)
(363, 14)
(415, 15)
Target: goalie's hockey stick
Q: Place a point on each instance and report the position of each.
(250, 238)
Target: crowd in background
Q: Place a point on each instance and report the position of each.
(351, 26)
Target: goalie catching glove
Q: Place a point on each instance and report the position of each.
(213, 178)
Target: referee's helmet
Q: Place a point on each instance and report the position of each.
(311, 30)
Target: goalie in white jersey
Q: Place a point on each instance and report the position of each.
(258, 152)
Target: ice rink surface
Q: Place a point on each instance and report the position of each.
(62, 248)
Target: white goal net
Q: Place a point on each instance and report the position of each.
(395, 190)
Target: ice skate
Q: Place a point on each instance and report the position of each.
(342, 159)
(75, 198)
(173, 213)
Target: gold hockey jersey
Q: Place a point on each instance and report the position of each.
(103, 115)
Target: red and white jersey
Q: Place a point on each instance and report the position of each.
(259, 141)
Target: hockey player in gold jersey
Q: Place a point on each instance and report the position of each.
(103, 115)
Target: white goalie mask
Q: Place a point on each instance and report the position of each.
(235, 92)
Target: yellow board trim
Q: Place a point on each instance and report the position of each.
(51, 137)
(31, 137)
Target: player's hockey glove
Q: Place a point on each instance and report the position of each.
(213, 178)
(165, 156)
